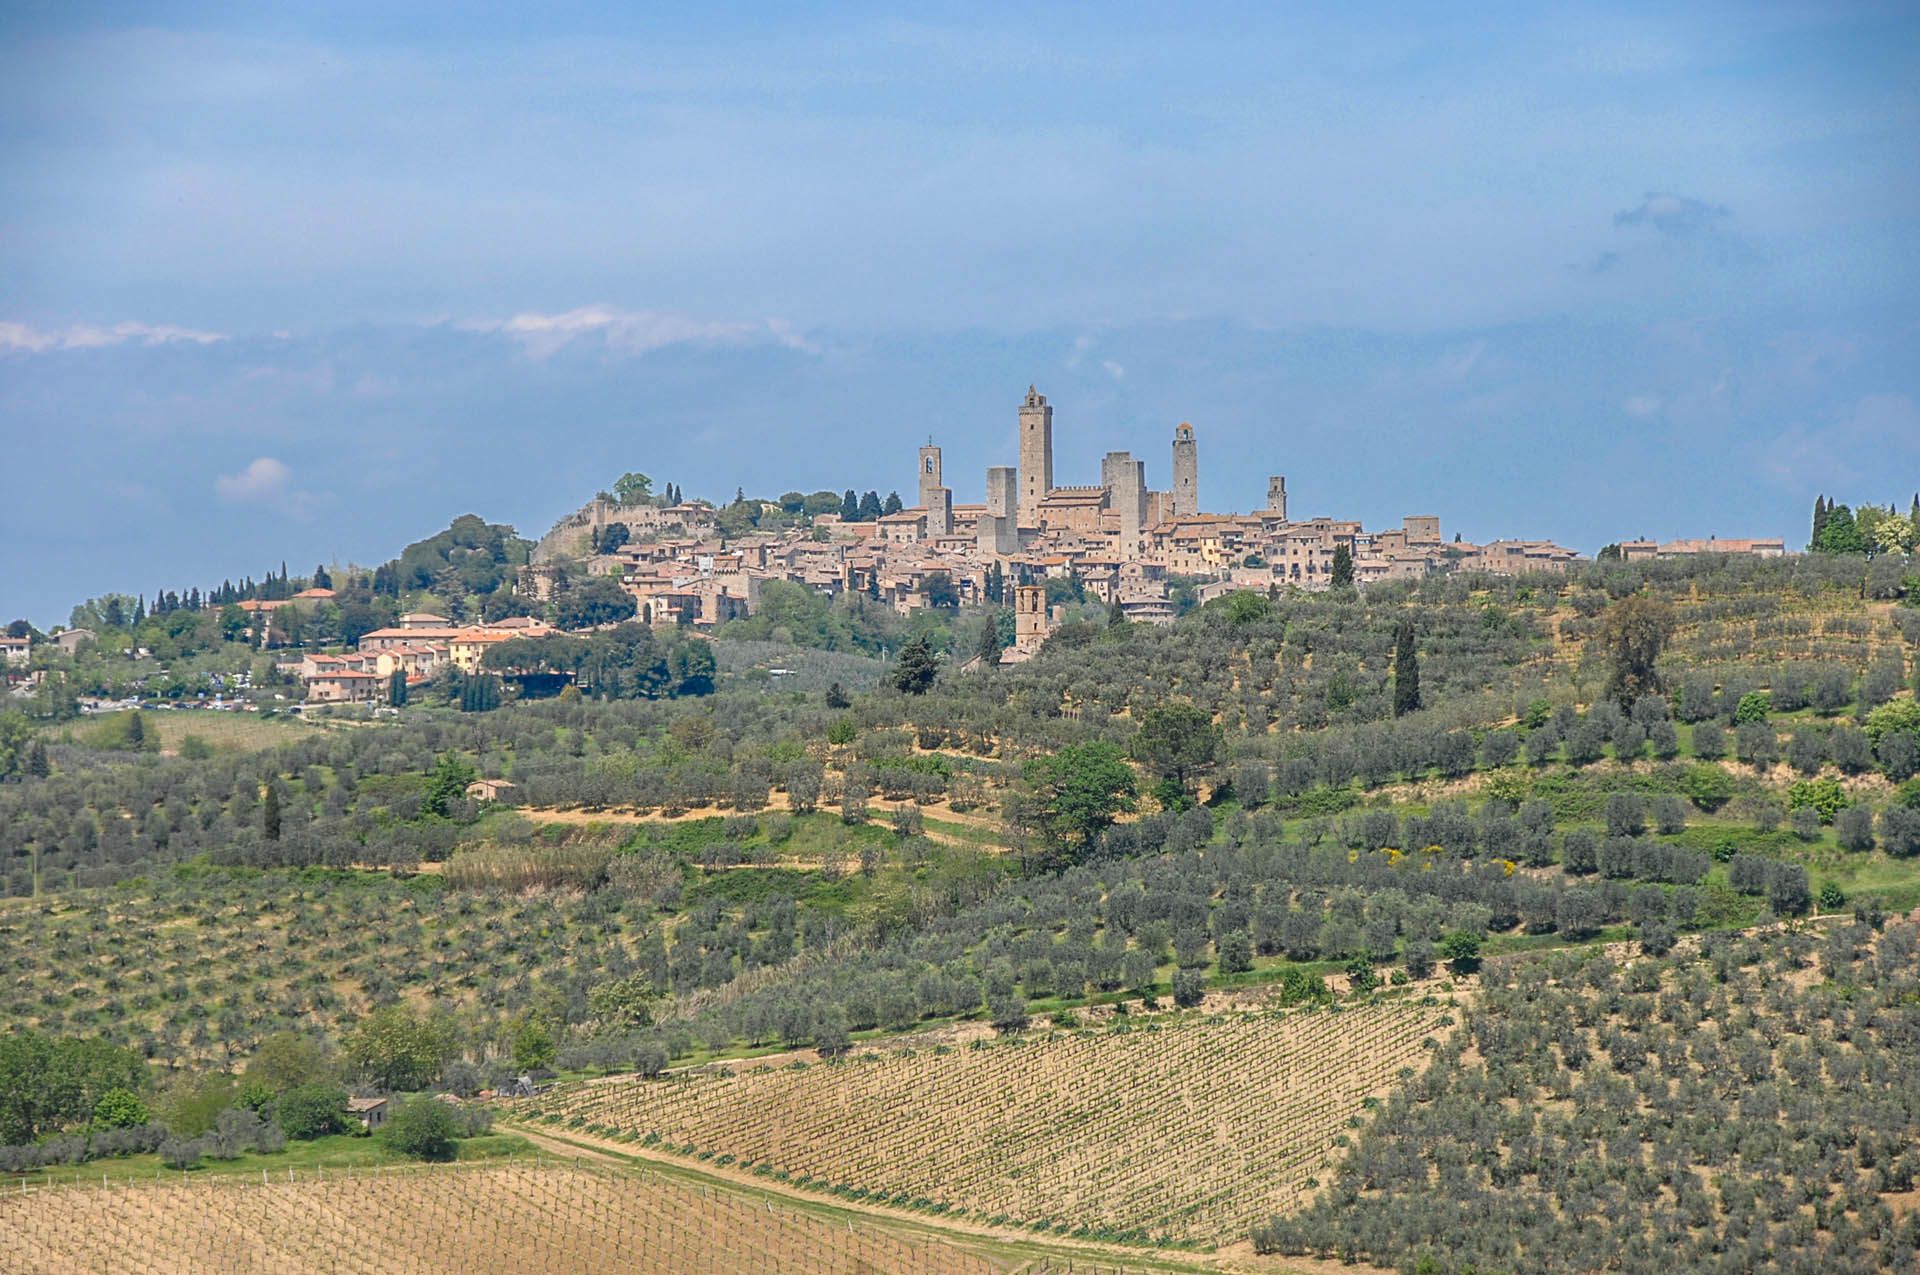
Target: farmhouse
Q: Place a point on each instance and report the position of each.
(370, 1112)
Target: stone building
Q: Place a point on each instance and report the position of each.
(1186, 472)
(1036, 456)
(1125, 481)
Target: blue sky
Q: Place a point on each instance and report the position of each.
(276, 285)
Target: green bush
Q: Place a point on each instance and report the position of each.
(1753, 707)
(1707, 786)
(311, 1111)
(119, 1108)
(423, 1128)
(1824, 797)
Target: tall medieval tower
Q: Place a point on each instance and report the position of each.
(929, 475)
(1036, 456)
(1277, 497)
(1186, 472)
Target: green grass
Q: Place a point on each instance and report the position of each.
(339, 1151)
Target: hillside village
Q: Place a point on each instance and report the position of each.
(1122, 543)
(1143, 554)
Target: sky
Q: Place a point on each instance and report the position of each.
(303, 285)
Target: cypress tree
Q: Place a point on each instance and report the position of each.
(989, 649)
(397, 689)
(1820, 511)
(270, 813)
(136, 732)
(37, 765)
(1406, 673)
(850, 507)
(1342, 566)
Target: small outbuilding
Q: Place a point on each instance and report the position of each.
(370, 1112)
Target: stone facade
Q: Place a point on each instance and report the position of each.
(1036, 456)
(1186, 472)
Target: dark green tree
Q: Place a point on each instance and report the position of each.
(989, 648)
(1462, 950)
(892, 504)
(633, 489)
(1839, 533)
(1177, 741)
(446, 784)
(850, 507)
(1633, 633)
(1819, 521)
(136, 736)
(1406, 672)
(593, 602)
(917, 666)
(870, 506)
(37, 766)
(1342, 577)
(940, 590)
(1074, 794)
(270, 811)
(421, 1127)
(397, 689)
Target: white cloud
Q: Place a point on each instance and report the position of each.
(1115, 370)
(1642, 406)
(262, 480)
(632, 331)
(23, 338)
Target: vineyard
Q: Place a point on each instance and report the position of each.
(542, 1218)
(1180, 1131)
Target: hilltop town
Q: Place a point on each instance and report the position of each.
(1123, 543)
(1036, 548)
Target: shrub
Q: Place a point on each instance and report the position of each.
(1669, 814)
(1806, 823)
(180, 1153)
(1236, 952)
(1824, 797)
(1626, 815)
(1854, 828)
(1709, 740)
(1900, 831)
(119, 1108)
(1707, 786)
(311, 1111)
(1462, 950)
(1753, 707)
(422, 1128)
(1188, 987)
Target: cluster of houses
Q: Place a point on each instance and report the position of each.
(417, 646)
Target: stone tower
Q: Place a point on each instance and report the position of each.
(929, 474)
(1186, 472)
(934, 498)
(1030, 624)
(1126, 482)
(1277, 497)
(999, 533)
(1036, 456)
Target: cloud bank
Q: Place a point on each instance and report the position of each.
(22, 338)
(632, 331)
